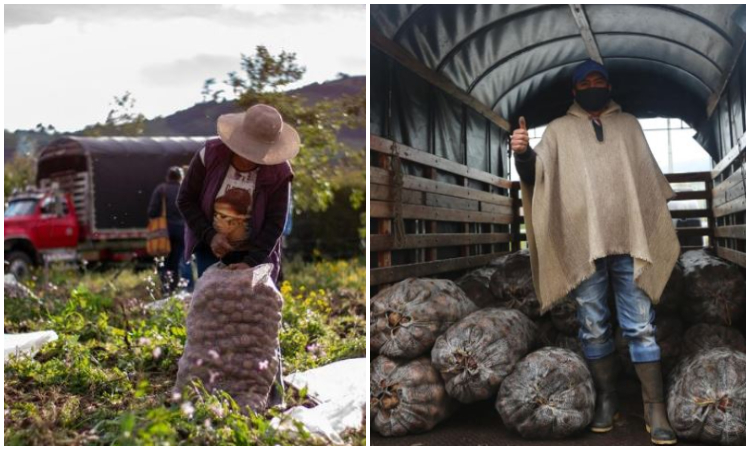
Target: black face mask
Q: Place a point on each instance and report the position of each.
(593, 99)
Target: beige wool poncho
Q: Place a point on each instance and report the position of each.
(591, 199)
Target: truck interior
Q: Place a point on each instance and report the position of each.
(448, 85)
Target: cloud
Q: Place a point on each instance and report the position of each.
(355, 64)
(20, 15)
(235, 15)
(191, 71)
(162, 54)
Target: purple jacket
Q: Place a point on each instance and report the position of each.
(270, 204)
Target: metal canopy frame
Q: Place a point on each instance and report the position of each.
(691, 52)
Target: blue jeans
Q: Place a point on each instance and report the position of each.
(634, 311)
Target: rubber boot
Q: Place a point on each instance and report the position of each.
(604, 372)
(654, 409)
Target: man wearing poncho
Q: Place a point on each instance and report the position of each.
(595, 204)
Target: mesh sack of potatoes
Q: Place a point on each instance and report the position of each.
(564, 316)
(476, 286)
(233, 334)
(478, 352)
(674, 292)
(706, 397)
(572, 343)
(704, 336)
(512, 283)
(549, 395)
(406, 396)
(547, 332)
(406, 318)
(714, 289)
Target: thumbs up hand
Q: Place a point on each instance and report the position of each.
(519, 140)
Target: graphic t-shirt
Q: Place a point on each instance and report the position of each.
(233, 205)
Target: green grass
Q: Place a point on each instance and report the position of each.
(108, 378)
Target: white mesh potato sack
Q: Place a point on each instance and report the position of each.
(479, 351)
(406, 318)
(233, 334)
(706, 397)
(549, 395)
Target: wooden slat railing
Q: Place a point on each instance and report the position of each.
(728, 197)
(429, 201)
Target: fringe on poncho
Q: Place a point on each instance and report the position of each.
(591, 199)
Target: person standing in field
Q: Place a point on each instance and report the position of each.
(166, 193)
(235, 197)
(595, 205)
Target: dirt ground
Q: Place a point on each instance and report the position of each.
(480, 424)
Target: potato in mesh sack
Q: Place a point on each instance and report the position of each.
(233, 334)
(406, 318)
(478, 352)
(572, 343)
(706, 397)
(547, 331)
(549, 395)
(513, 285)
(564, 316)
(714, 289)
(476, 286)
(406, 396)
(704, 336)
(674, 292)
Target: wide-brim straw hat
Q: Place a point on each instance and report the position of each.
(259, 135)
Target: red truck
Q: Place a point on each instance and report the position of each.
(91, 199)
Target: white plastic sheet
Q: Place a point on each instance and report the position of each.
(183, 296)
(26, 343)
(340, 388)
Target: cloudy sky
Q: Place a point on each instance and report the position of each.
(65, 63)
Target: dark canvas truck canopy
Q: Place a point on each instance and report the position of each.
(449, 82)
(112, 178)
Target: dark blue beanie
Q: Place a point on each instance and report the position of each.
(586, 68)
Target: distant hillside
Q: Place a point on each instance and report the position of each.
(200, 119)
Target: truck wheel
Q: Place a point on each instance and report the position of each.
(19, 264)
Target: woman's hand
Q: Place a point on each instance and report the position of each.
(220, 245)
(238, 266)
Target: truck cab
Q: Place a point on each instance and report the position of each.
(39, 225)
